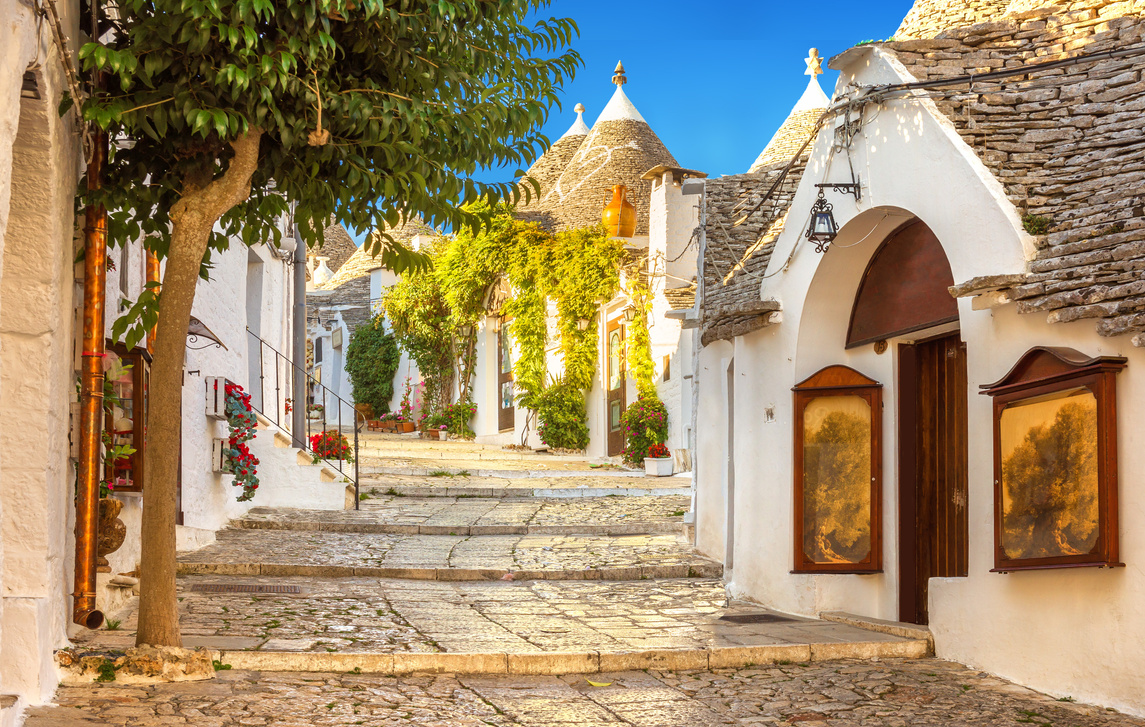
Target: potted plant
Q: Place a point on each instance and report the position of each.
(658, 461)
(315, 412)
(404, 417)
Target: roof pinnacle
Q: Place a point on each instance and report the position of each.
(814, 64)
(618, 76)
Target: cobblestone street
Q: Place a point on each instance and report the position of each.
(893, 692)
(451, 609)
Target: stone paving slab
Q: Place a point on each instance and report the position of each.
(546, 485)
(482, 516)
(448, 557)
(892, 692)
(609, 625)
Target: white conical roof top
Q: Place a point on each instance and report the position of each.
(579, 128)
(619, 108)
(800, 123)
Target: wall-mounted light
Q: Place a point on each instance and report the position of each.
(582, 324)
(464, 331)
(822, 229)
(629, 314)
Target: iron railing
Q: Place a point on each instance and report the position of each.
(272, 386)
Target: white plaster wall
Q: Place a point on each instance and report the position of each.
(39, 166)
(1070, 632)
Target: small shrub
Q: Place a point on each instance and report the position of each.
(1036, 224)
(112, 624)
(658, 451)
(562, 419)
(457, 417)
(645, 424)
(220, 666)
(106, 671)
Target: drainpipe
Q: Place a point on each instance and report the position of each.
(152, 277)
(298, 423)
(84, 611)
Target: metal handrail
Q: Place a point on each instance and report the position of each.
(284, 372)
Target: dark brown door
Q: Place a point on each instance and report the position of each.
(932, 469)
(506, 416)
(614, 396)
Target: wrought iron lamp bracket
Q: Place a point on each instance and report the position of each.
(855, 188)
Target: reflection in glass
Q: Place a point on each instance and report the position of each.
(1049, 475)
(837, 479)
(506, 344)
(507, 395)
(614, 360)
(121, 425)
(614, 416)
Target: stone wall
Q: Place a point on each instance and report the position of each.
(1067, 144)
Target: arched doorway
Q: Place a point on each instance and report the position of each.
(904, 296)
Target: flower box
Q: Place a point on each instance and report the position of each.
(216, 397)
(658, 466)
(218, 458)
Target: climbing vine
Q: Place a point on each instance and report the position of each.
(640, 366)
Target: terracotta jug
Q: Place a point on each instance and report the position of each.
(112, 532)
(620, 215)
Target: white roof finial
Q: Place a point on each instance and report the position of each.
(814, 64)
(618, 76)
(579, 128)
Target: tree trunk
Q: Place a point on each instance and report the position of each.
(192, 219)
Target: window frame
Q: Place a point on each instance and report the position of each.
(1047, 370)
(140, 360)
(839, 380)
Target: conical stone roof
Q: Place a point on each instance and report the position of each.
(800, 123)
(547, 170)
(620, 147)
(361, 263)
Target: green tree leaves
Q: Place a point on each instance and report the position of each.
(416, 95)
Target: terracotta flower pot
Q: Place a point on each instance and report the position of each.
(112, 532)
(408, 426)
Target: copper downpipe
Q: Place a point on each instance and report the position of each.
(84, 611)
(152, 277)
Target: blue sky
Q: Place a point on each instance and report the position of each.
(714, 79)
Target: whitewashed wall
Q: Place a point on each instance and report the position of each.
(39, 167)
(1068, 632)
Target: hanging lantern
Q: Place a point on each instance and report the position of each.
(823, 229)
(619, 215)
(629, 314)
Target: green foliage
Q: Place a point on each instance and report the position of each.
(367, 111)
(585, 272)
(1036, 224)
(420, 318)
(645, 423)
(457, 417)
(640, 365)
(220, 666)
(106, 671)
(563, 421)
(372, 359)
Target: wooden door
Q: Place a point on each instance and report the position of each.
(506, 415)
(932, 469)
(615, 386)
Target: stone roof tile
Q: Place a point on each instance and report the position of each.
(1067, 145)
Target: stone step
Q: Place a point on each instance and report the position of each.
(570, 662)
(538, 627)
(367, 468)
(525, 492)
(615, 529)
(276, 570)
